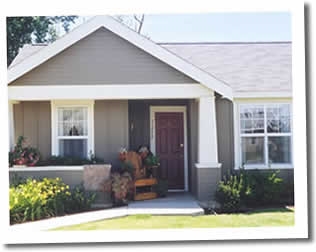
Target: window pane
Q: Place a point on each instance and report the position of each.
(252, 150)
(278, 118)
(280, 149)
(72, 122)
(252, 119)
(73, 147)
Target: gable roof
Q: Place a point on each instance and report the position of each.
(245, 66)
(21, 66)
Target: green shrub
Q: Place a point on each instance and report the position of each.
(249, 189)
(69, 160)
(80, 199)
(230, 192)
(37, 199)
(16, 180)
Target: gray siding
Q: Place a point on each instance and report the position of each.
(207, 180)
(139, 124)
(225, 133)
(102, 58)
(71, 178)
(110, 129)
(33, 121)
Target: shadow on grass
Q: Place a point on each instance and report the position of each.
(271, 210)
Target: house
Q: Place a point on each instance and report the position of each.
(203, 108)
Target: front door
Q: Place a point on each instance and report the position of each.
(170, 148)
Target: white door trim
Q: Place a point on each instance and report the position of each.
(183, 109)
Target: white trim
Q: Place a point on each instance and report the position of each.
(121, 30)
(183, 109)
(100, 92)
(55, 104)
(207, 130)
(11, 126)
(265, 135)
(263, 94)
(208, 165)
(46, 168)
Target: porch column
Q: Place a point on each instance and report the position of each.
(207, 131)
(11, 124)
(208, 168)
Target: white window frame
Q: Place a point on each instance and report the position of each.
(55, 105)
(265, 135)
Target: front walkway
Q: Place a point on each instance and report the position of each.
(173, 204)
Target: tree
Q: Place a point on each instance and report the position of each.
(135, 22)
(40, 29)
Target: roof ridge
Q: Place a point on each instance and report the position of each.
(225, 42)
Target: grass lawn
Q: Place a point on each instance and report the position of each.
(259, 218)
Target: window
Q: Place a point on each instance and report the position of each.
(72, 125)
(72, 131)
(265, 135)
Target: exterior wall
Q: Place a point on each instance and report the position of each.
(225, 134)
(110, 129)
(286, 174)
(33, 120)
(102, 58)
(139, 124)
(91, 176)
(207, 180)
(139, 129)
(71, 178)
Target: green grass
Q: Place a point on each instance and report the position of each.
(259, 218)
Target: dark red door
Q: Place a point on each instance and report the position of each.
(170, 147)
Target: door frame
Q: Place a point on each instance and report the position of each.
(181, 109)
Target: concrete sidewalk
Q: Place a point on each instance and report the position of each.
(173, 204)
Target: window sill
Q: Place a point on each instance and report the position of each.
(263, 167)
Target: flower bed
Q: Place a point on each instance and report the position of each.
(37, 199)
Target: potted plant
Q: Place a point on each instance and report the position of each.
(23, 155)
(161, 188)
(152, 163)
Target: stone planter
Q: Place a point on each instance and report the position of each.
(94, 177)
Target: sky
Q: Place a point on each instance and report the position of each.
(217, 27)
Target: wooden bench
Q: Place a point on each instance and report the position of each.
(145, 184)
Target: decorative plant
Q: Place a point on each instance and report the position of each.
(245, 189)
(161, 188)
(37, 199)
(151, 160)
(69, 160)
(22, 154)
(121, 187)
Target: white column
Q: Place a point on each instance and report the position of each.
(207, 144)
(11, 124)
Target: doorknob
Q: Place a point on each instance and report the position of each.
(181, 145)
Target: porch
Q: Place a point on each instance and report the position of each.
(188, 149)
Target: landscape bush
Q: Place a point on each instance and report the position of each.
(69, 160)
(79, 199)
(246, 189)
(38, 199)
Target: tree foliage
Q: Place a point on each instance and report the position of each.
(38, 29)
